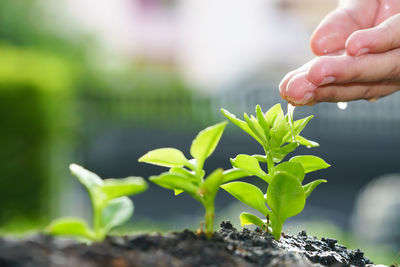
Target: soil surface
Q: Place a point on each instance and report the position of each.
(228, 247)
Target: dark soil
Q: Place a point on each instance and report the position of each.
(228, 247)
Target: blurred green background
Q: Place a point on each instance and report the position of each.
(100, 83)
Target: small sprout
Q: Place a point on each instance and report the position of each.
(285, 196)
(111, 206)
(188, 175)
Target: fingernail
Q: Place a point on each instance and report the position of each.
(327, 80)
(306, 98)
(362, 51)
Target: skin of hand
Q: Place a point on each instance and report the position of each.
(358, 56)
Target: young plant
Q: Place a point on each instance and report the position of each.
(111, 207)
(187, 176)
(279, 135)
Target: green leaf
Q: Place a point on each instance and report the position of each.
(286, 198)
(305, 142)
(89, 179)
(206, 141)
(70, 226)
(310, 163)
(248, 218)
(241, 124)
(293, 168)
(279, 130)
(212, 182)
(262, 121)
(178, 191)
(184, 172)
(233, 174)
(117, 212)
(308, 188)
(272, 113)
(174, 181)
(256, 128)
(279, 153)
(167, 157)
(114, 188)
(248, 194)
(250, 165)
(300, 124)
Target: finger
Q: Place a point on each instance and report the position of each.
(355, 91)
(384, 37)
(346, 69)
(289, 76)
(333, 31)
(299, 90)
(387, 9)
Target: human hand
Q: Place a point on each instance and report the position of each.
(359, 45)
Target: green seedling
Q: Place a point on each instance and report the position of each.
(111, 206)
(285, 195)
(188, 176)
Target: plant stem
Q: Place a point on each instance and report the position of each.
(209, 218)
(270, 164)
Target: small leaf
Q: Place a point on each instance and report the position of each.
(262, 121)
(178, 191)
(248, 218)
(248, 194)
(114, 188)
(308, 188)
(89, 179)
(293, 168)
(166, 157)
(256, 128)
(279, 130)
(183, 172)
(250, 165)
(310, 163)
(174, 181)
(117, 212)
(206, 141)
(286, 198)
(272, 113)
(305, 142)
(212, 182)
(233, 174)
(70, 226)
(241, 124)
(279, 153)
(300, 124)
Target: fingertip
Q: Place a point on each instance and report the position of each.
(319, 73)
(357, 43)
(300, 90)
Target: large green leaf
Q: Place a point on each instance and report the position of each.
(286, 198)
(248, 218)
(241, 124)
(174, 181)
(294, 168)
(250, 165)
(248, 194)
(233, 174)
(167, 157)
(308, 188)
(206, 141)
(114, 188)
(310, 163)
(89, 179)
(212, 182)
(70, 226)
(117, 212)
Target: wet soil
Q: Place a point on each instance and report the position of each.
(228, 247)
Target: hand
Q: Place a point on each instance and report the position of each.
(359, 45)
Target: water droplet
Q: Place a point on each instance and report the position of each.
(342, 105)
